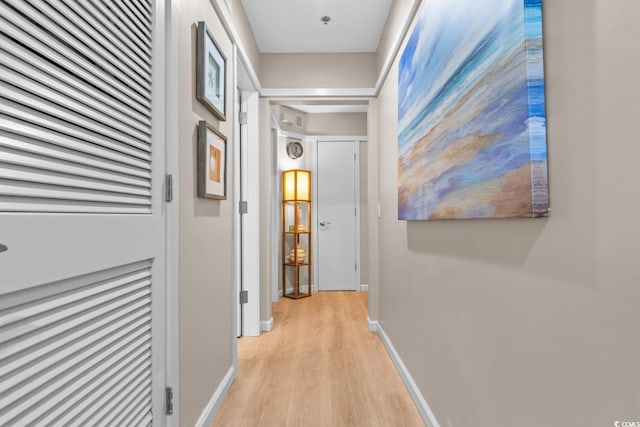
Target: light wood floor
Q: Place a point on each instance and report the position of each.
(320, 366)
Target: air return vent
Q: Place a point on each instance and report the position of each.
(80, 354)
(292, 119)
(75, 106)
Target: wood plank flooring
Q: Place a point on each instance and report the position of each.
(320, 366)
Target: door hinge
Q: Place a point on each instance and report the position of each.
(169, 188)
(243, 207)
(244, 297)
(242, 118)
(355, 211)
(356, 266)
(169, 400)
(354, 157)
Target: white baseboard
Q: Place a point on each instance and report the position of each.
(414, 391)
(372, 325)
(364, 287)
(206, 418)
(266, 325)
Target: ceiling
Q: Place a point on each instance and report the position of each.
(295, 26)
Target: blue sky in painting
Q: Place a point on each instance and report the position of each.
(464, 73)
(453, 44)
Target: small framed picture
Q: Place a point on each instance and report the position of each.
(211, 72)
(212, 162)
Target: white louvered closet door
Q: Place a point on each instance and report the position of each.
(82, 147)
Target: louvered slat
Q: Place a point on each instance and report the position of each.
(23, 151)
(108, 14)
(75, 106)
(123, 16)
(146, 8)
(24, 204)
(73, 66)
(62, 356)
(114, 30)
(85, 47)
(72, 20)
(137, 417)
(26, 94)
(105, 32)
(131, 376)
(17, 23)
(135, 18)
(11, 110)
(89, 88)
(60, 92)
(116, 407)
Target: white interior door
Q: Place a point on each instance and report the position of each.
(336, 215)
(82, 213)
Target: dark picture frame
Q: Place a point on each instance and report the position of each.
(212, 162)
(211, 72)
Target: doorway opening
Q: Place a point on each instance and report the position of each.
(338, 124)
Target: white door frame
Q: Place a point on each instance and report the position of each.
(314, 206)
(247, 185)
(172, 276)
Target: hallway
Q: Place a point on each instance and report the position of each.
(320, 366)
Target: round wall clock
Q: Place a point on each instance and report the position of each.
(294, 149)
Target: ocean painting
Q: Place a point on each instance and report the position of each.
(471, 112)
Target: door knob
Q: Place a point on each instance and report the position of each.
(3, 248)
(324, 223)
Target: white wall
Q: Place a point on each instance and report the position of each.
(206, 228)
(532, 322)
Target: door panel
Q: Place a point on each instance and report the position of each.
(81, 212)
(74, 354)
(336, 204)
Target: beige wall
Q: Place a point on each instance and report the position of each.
(318, 70)
(533, 322)
(373, 143)
(364, 213)
(247, 39)
(336, 124)
(206, 227)
(398, 16)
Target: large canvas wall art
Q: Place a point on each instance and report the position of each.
(471, 111)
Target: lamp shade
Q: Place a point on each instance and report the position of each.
(296, 185)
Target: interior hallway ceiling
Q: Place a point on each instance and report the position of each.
(295, 26)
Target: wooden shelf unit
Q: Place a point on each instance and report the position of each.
(296, 233)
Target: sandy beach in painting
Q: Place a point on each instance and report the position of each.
(476, 147)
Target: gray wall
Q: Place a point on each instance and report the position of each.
(206, 234)
(532, 322)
